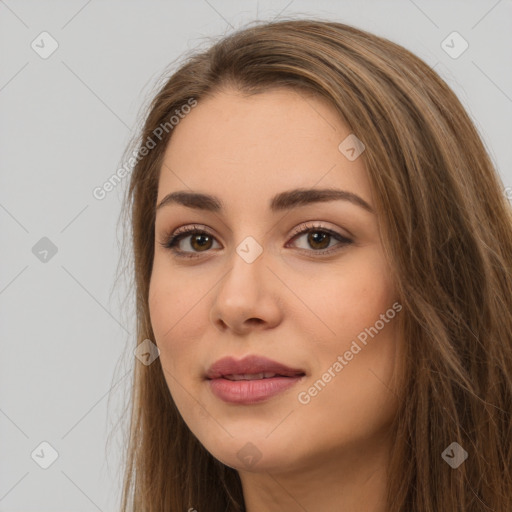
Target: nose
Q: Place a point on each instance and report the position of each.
(247, 297)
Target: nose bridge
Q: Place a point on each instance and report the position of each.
(245, 291)
(247, 275)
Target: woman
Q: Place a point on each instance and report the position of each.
(322, 255)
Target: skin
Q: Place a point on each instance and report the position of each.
(291, 304)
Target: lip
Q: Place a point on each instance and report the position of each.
(250, 391)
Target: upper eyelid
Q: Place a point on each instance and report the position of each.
(311, 225)
(300, 229)
(303, 228)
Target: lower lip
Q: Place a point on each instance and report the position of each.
(250, 391)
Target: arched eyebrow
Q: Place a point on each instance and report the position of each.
(280, 202)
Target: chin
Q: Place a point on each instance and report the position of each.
(253, 453)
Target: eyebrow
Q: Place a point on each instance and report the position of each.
(280, 202)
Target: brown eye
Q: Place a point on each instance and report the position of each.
(201, 241)
(319, 239)
(191, 241)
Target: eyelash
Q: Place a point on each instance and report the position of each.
(172, 240)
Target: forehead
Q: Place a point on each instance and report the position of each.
(246, 147)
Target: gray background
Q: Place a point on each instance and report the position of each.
(66, 336)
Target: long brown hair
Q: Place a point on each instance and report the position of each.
(446, 229)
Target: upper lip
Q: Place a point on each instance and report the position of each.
(249, 365)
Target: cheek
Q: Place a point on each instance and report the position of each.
(173, 306)
(174, 303)
(353, 296)
(358, 306)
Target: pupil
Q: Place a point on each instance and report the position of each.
(200, 244)
(318, 237)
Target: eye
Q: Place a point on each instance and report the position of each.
(199, 240)
(320, 238)
(190, 241)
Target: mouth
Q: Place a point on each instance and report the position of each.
(250, 367)
(257, 376)
(250, 380)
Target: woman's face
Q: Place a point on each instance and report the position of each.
(274, 274)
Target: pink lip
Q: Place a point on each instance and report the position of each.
(250, 391)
